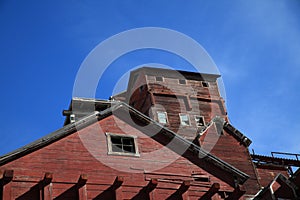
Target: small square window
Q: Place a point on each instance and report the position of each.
(205, 84)
(162, 117)
(184, 119)
(182, 81)
(159, 78)
(199, 120)
(122, 144)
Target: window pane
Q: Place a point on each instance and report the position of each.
(116, 148)
(115, 139)
(129, 149)
(184, 120)
(162, 117)
(127, 141)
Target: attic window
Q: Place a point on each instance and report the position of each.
(159, 78)
(119, 144)
(205, 84)
(184, 119)
(182, 81)
(199, 120)
(162, 117)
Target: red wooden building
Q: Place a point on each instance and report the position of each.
(167, 137)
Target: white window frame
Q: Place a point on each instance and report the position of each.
(166, 115)
(109, 145)
(180, 118)
(200, 117)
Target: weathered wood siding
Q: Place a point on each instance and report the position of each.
(69, 158)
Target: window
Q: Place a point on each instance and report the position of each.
(199, 120)
(184, 119)
(159, 78)
(205, 84)
(162, 117)
(182, 81)
(122, 144)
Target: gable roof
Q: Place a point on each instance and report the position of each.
(117, 108)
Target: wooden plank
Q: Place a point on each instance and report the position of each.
(47, 192)
(82, 193)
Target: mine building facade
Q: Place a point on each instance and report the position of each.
(167, 136)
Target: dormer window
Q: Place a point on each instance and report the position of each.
(205, 84)
(162, 117)
(159, 78)
(119, 144)
(184, 119)
(199, 120)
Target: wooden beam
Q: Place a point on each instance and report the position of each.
(184, 187)
(81, 185)
(6, 178)
(180, 193)
(82, 180)
(6, 175)
(151, 185)
(117, 187)
(215, 187)
(236, 194)
(118, 182)
(47, 178)
(46, 186)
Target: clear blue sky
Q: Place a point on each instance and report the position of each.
(254, 43)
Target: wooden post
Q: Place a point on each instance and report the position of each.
(6, 178)
(81, 185)
(184, 187)
(46, 187)
(151, 185)
(117, 187)
(211, 192)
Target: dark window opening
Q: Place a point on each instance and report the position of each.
(205, 84)
(201, 179)
(159, 78)
(182, 81)
(199, 120)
